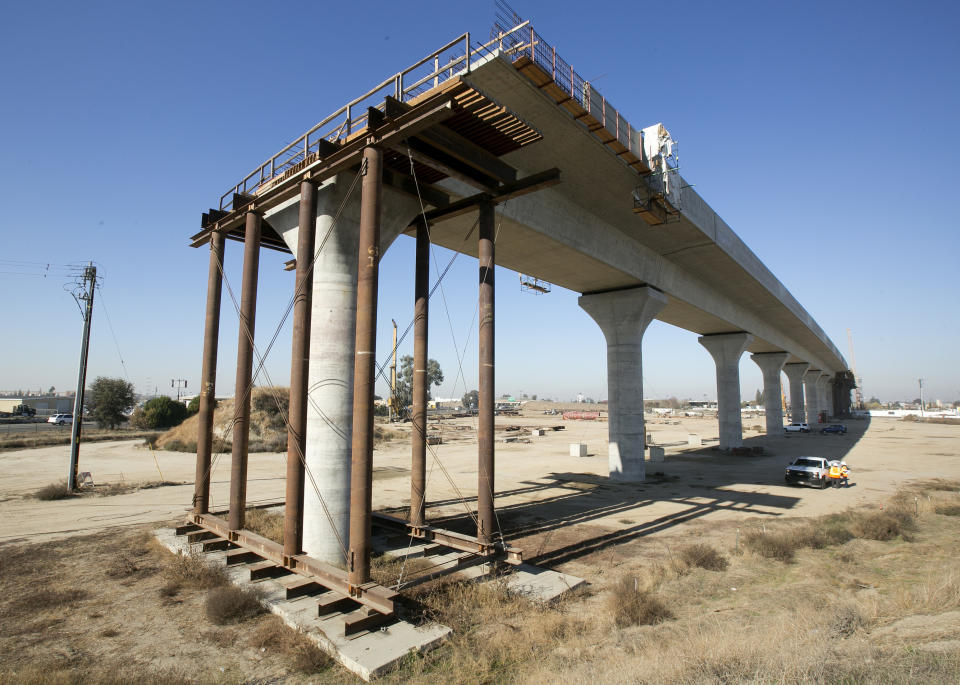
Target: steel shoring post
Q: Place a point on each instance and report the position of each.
(241, 426)
(208, 379)
(299, 368)
(418, 432)
(486, 520)
(364, 373)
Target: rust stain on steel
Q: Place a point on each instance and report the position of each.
(208, 377)
(241, 426)
(418, 433)
(299, 367)
(361, 477)
(486, 522)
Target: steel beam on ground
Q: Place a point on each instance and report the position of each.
(418, 432)
(208, 375)
(368, 594)
(241, 425)
(486, 523)
(299, 368)
(364, 376)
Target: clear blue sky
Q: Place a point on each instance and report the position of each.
(825, 134)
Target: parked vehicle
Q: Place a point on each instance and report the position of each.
(797, 428)
(833, 428)
(24, 410)
(811, 470)
(61, 419)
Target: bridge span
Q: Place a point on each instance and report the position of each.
(499, 150)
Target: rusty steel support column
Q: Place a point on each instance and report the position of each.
(299, 368)
(486, 522)
(418, 432)
(361, 477)
(208, 378)
(242, 389)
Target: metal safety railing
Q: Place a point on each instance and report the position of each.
(453, 59)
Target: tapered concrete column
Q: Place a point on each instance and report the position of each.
(623, 316)
(823, 403)
(726, 350)
(208, 378)
(299, 372)
(795, 373)
(326, 523)
(771, 363)
(242, 387)
(810, 393)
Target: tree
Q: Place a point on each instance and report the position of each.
(109, 400)
(470, 400)
(160, 412)
(193, 406)
(405, 381)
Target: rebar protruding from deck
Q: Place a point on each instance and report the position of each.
(421, 381)
(485, 516)
(361, 477)
(299, 371)
(208, 378)
(242, 388)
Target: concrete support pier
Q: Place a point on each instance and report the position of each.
(726, 350)
(771, 363)
(795, 373)
(810, 392)
(623, 316)
(824, 403)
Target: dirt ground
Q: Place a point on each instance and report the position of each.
(536, 480)
(893, 604)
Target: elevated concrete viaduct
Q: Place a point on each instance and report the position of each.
(507, 134)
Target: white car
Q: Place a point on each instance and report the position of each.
(61, 419)
(797, 428)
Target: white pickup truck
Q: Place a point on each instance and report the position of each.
(812, 470)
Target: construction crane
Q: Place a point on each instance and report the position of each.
(857, 392)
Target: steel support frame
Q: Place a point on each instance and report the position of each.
(242, 391)
(364, 371)
(369, 594)
(299, 371)
(418, 431)
(208, 375)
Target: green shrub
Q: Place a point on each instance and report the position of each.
(160, 412)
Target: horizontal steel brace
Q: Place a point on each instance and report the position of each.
(369, 594)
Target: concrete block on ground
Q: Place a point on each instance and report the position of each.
(538, 432)
(532, 582)
(368, 653)
(656, 454)
(578, 449)
(694, 440)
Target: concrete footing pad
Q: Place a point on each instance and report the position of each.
(367, 653)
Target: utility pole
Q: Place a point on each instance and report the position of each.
(178, 383)
(86, 294)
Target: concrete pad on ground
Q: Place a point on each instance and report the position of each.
(367, 653)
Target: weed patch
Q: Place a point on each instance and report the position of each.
(300, 652)
(267, 523)
(883, 525)
(190, 570)
(231, 604)
(54, 491)
(632, 606)
(703, 556)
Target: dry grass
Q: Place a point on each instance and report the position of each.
(232, 604)
(190, 570)
(630, 605)
(300, 652)
(703, 556)
(54, 491)
(265, 522)
(47, 437)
